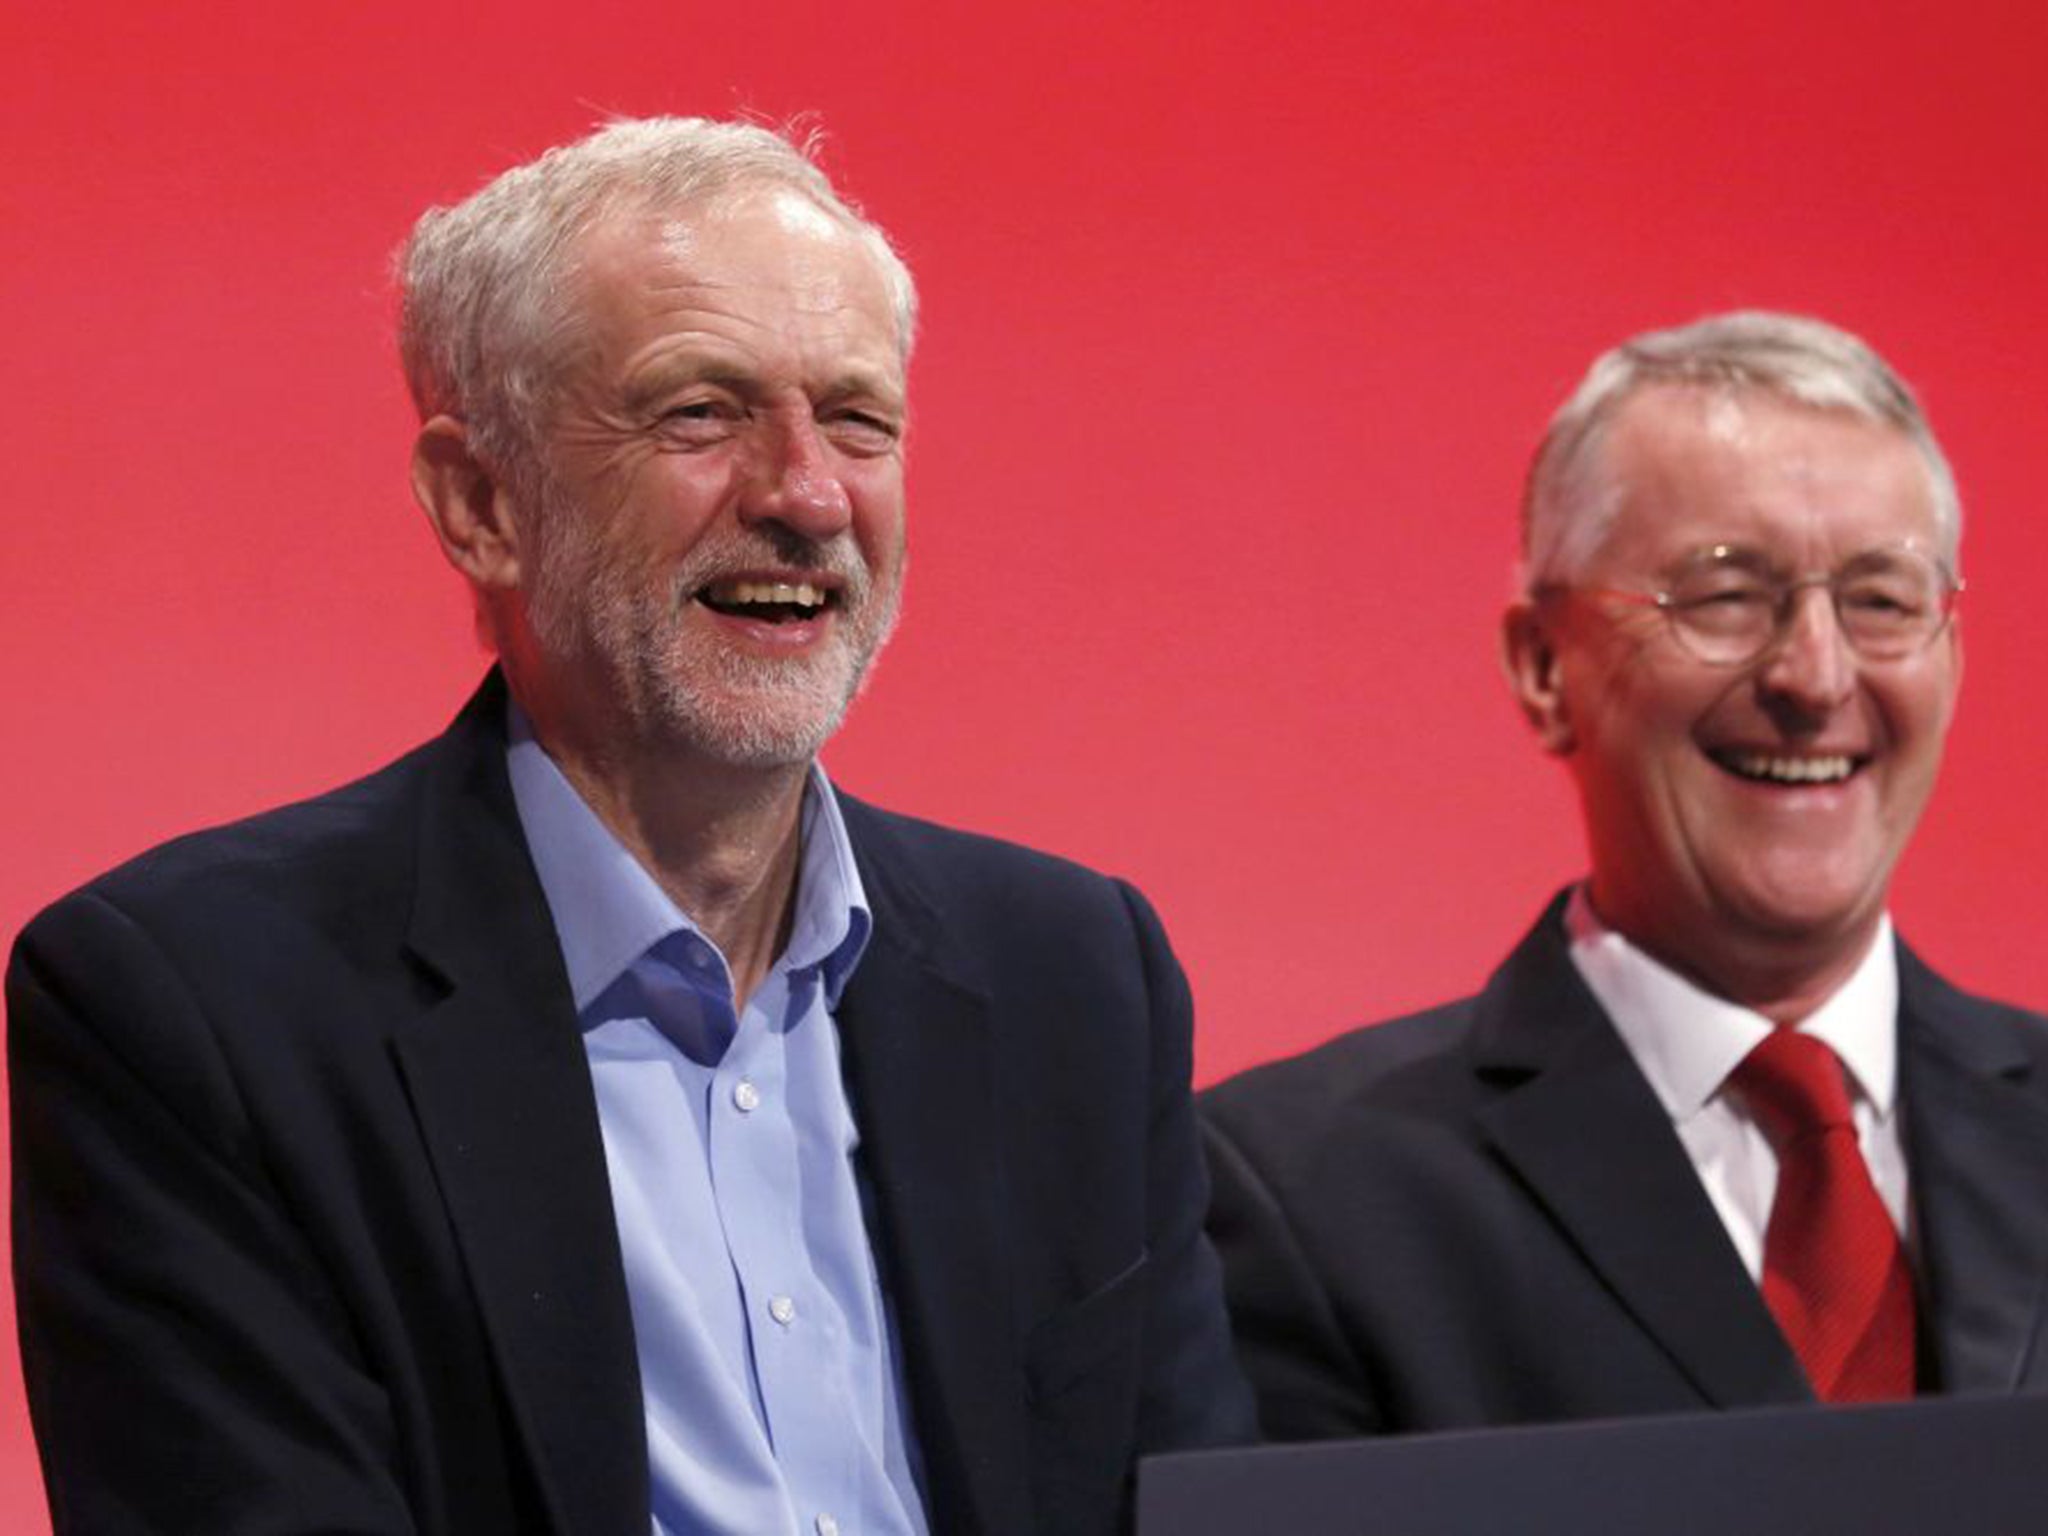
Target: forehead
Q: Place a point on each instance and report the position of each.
(1692, 467)
(764, 272)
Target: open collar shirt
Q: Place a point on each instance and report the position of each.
(771, 1382)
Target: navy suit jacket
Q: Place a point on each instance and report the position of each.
(1481, 1215)
(313, 1231)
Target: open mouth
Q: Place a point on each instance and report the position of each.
(1780, 768)
(769, 602)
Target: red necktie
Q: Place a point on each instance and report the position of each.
(1835, 1275)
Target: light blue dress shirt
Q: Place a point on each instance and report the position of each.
(772, 1386)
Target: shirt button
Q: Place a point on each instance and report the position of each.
(782, 1309)
(826, 1526)
(746, 1097)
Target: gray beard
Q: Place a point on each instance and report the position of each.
(739, 709)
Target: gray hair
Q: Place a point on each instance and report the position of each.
(482, 284)
(1569, 503)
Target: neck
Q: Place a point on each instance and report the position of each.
(1786, 977)
(722, 840)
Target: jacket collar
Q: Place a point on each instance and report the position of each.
(1575, 1119)
(921, 1073)
(1977, 1145)
(502, 1092)
(503, 1095)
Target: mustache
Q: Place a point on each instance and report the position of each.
(773, 545)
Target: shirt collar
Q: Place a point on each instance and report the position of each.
(1687, 1041)
(608, 910)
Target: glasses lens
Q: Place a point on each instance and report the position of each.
(1727, 605)
(1890, 602)
(1724, 606)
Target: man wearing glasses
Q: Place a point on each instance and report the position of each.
(1712, 1136)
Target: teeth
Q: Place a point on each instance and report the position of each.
(802, 593)
(1792, 770)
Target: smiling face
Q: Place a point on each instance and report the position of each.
(716, 551)
(1755, 809)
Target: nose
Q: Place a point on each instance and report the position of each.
(1811, 663)
(793, 479)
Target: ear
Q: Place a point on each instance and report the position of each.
(1528, 655)
(469, 508)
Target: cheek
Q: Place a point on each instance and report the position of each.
(1918, 699)
(1932, 719)
(1919, 721)
(1948, 681)
(653, 480)
(1643, 719)
(1640, 758)
(878, 509)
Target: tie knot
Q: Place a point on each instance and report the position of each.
(1794, 1083)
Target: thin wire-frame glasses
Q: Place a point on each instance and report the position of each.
(1728, 604)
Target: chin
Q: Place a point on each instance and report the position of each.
(763, 748)
(757, 733)
(745, 715)
(1798, 915)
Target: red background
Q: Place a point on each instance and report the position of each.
(1240, 322)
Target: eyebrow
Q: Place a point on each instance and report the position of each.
(1745, 554)
(673, 373)
(1751, 557)
(1709, 556)
(667, 377)
(859, 384)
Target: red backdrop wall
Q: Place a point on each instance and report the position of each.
(1240, 323)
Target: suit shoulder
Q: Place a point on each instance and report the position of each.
(1407, 1066)
(936, 841)
(2030, 1023)
(1002, 872)
(1960, 1018)
(337, 846)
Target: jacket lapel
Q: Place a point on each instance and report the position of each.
(920, 1069)
(502, 1093)
(1977, 1145)
(1575, 1119)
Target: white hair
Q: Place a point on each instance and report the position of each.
(1570, 501)
(483, 284)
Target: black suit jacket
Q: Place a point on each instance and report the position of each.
(1481, 1215)
(312, 1225)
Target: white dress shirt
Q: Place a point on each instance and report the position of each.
(1687, 1041)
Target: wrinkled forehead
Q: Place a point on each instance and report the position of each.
(1683, 462)
(762, 239)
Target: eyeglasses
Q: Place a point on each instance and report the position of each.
(1728, 605)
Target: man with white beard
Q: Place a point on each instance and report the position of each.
(597, 1122)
